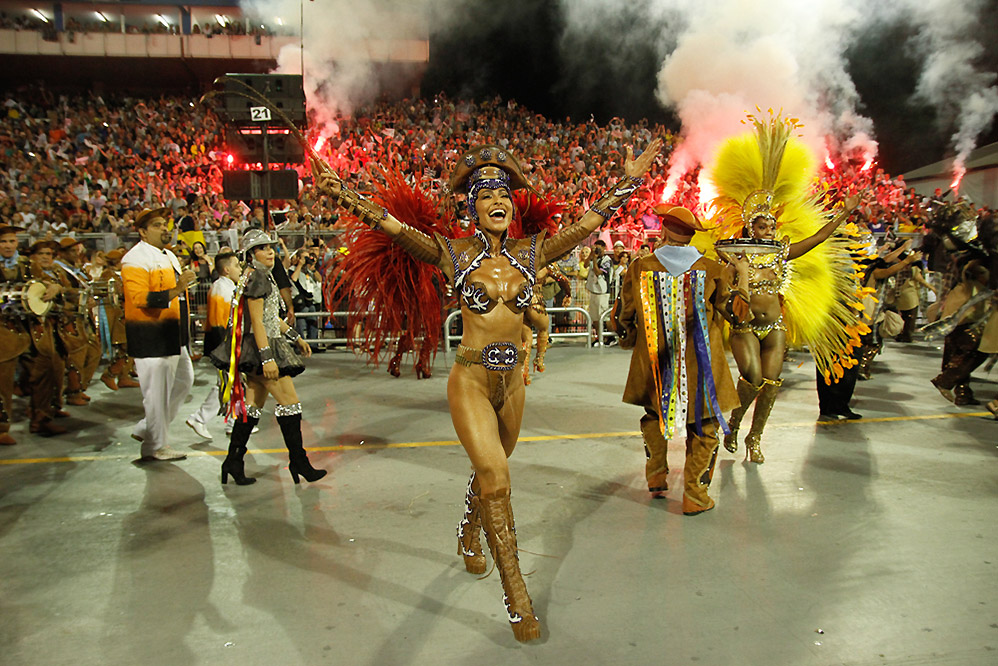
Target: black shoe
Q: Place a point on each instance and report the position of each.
(826, 418)
(850, 415)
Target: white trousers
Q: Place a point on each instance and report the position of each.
(165, 382)
(597, 304)
(209, 408)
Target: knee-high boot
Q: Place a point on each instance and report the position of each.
(289, 418)
(497, 523)
(763, 406)
(468, 544)
(543, 340)
(233, 465)
(701, 456)
(656, 448)
(747, 392)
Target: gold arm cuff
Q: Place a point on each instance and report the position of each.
(421, 246)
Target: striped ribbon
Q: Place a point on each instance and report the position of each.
(233, 392)
(664, 302)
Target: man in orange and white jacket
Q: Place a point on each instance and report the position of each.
(157, 325)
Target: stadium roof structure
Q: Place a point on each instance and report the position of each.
(979, 184)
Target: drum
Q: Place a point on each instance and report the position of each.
(25, 301)
(105, 291)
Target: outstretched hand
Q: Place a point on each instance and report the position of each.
(636, 168)
(329, 183)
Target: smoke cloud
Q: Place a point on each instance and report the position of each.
(964, 96)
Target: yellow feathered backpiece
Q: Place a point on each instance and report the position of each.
(771, 173)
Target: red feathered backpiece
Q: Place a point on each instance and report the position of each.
(534, 214)
(389, 294)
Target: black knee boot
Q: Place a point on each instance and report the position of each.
(233, 463)
(289, 418)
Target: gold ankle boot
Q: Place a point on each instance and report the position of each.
(747, 392)
(543, 341)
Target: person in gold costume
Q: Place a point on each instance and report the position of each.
(494, 277)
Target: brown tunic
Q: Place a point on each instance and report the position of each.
(630, 324)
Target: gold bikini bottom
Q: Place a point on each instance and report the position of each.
(760, 331)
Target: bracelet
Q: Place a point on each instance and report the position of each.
(292, 335)
(266, 355)
(611, 202)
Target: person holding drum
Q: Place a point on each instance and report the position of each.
(494, 277)
(45, 365)
(14, 338)
(111, 295)
(767, 201)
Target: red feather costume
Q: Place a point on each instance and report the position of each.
(390, 295)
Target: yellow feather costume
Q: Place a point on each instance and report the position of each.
(769, 172)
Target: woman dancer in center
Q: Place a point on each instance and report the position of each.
(494, 276)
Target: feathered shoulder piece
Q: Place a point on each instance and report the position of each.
(390, 294)
(534, 214)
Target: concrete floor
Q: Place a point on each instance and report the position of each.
(859, 543)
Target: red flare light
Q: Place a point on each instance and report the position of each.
(229, 159)
(319, 143)
(869, 163)
(955, 185)
(829, 163)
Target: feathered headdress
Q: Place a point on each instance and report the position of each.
(534, 214)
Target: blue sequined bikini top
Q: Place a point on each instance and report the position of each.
(467, 255)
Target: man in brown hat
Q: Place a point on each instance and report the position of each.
(14, 338)
(44, 363)
(157, 326)
(678, 370)
(76, 328)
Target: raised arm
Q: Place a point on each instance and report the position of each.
(413, 241)
(561, 243)
(808, 244)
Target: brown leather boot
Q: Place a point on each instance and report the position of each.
(109, 381)
(747, 392)
(6, 439)
(701, 456)
(543, 341)
(497, 523)
(468, 544)
(656, 448)
(124, 381)
(763, 406)
(46, 428)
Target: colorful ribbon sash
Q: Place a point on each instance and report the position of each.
(668, 302)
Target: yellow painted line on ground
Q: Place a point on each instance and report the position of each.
(454, 442)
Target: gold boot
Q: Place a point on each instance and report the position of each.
(468, 545)
(542, 346)
(656, 448)
(746, 395)
(497, 523)
(763, 406)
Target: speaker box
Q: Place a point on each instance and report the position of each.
(280, 184)
(284, 91)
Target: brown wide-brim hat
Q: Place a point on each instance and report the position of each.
(68, 242)
(143, 219)
(115, 255)
(679, 219)
(481, 156)
(42, 244)
(10, 229)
